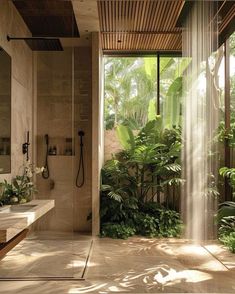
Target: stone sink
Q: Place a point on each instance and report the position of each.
(16, 208)
(16, 218)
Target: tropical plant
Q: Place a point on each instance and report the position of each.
(133, 178)
(168, 223)
(145, 225)
(229, 241)
(227, 232)
(152, 158)
(226, 134)
(226, 208)
(226, 225)
(117, 231)
(226, 222)
(229, 173)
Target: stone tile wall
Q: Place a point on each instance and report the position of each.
(12, 24)
(64, 107)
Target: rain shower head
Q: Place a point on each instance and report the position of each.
(40, 43)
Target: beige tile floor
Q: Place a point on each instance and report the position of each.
(141, 265)
(47, 255)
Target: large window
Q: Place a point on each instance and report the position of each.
(231, 50)
(131, 90)
(232, 74)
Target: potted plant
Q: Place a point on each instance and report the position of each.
(21, 188)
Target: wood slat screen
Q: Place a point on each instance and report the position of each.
(140, 25)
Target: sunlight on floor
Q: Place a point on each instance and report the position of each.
(172, 276)
(87, 289)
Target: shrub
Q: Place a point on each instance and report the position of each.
(149, 163)
(226, 225)
(168, 223)
(229, 241)
(145, 225)
(116, 231)
(148, 219)
(227, 232)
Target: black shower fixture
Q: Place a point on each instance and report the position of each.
(40, 43)
(46, 172)
(25, 147)
(81, 169)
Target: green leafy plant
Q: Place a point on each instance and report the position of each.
(168, 222)
(117, 231)
(226, 134)
(21, 188)
(145, 225)
(226, 225)
(229, 241)
(148, 165)
(226, 219)
(226, 208)
(229, 173)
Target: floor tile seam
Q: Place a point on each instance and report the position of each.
(215, 257)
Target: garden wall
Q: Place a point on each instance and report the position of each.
(111, 144)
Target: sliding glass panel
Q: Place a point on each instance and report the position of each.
(232, 96)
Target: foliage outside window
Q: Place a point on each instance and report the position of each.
(226, 212)
(131, 90)
(130, 85)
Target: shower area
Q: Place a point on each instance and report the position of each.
(64, 137)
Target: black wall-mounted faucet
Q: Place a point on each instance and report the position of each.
(25, 147)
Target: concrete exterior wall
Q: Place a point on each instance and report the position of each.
(111, 144)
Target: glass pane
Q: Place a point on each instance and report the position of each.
(232, 96)
(171, 72)
(130, 91)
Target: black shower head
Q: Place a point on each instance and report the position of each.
(41, 43)
(45, 45)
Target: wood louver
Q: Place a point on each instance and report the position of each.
(152, 25)
(140, 25)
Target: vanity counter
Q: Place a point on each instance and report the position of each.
(16, 218)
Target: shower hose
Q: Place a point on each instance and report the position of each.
(46, 173)
(80, 183)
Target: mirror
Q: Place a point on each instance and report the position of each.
(5, 112)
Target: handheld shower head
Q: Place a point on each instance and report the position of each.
(81, 133)
(80, 179)
(47, 139)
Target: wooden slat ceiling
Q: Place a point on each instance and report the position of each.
(149, 25)
(226, 14)
(140, 25)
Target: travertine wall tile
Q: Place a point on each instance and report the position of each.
(12, 24)
(60, 115)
